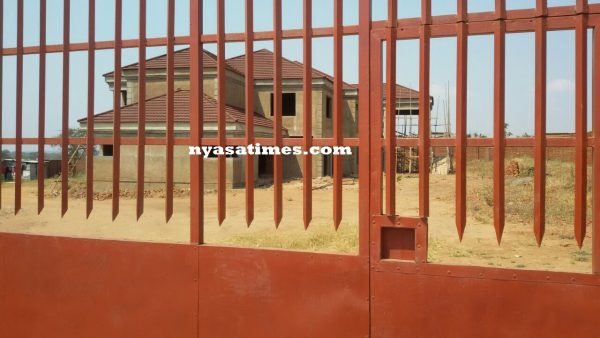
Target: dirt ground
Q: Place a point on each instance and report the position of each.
(559, 250)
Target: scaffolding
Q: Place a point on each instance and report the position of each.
(407, 126)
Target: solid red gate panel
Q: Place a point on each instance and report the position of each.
(62, 287)
(421, 305)
(268, 293)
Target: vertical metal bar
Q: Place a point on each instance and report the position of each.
(580, 128)
(64, 164)
(376, 120)
(539, 198)
(596, 164)
(461, 119)
(221, 167)
(426, 12)
(141, 146)
(249, 95)
(462, 10)
(581, 6)
(541, 7)
(1, 88)
(170, 108)
(390, 109)
(376, 156)
(89, 150)
(338, 114)
(277, 97)
(117, 112)
(222, 174)
(19, 108)
(307, 114)
(500, 9)
(196, 119)
(364, 102)
(424, 112)
(499, 132)
(364, 120)
(41, 107)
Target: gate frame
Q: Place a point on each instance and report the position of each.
(464, 24)
(371, 286)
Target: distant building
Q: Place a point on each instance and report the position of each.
(292, 115)
(29, 169)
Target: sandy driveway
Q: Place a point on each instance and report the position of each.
(479, 247)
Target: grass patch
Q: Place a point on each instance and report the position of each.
(560, 187)
(343, 240)
(581, 256)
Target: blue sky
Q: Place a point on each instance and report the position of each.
(519, 58)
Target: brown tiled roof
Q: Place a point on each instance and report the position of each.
(403, 92)
(182, 60)
(156, 108)
(263, 68)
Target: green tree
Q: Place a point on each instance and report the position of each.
(7, 154)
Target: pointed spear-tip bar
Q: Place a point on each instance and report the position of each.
(580, 128)
(249, 97)
(141, 146)
(499, 132)
(65, 111)
(540, 130)
(41, 106)
(170, 108)
(221, 163)
(89, 150)
(116, 190)
(307, 117)
(19, 107)
(461, 129)
(277, 159)
(1, 90)
(338, 127)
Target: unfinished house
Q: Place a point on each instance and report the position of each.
(292, 110)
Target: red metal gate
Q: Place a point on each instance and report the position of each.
(52, 286)
(447, 300)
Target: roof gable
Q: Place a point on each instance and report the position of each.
(181, 61)
(263, 66)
